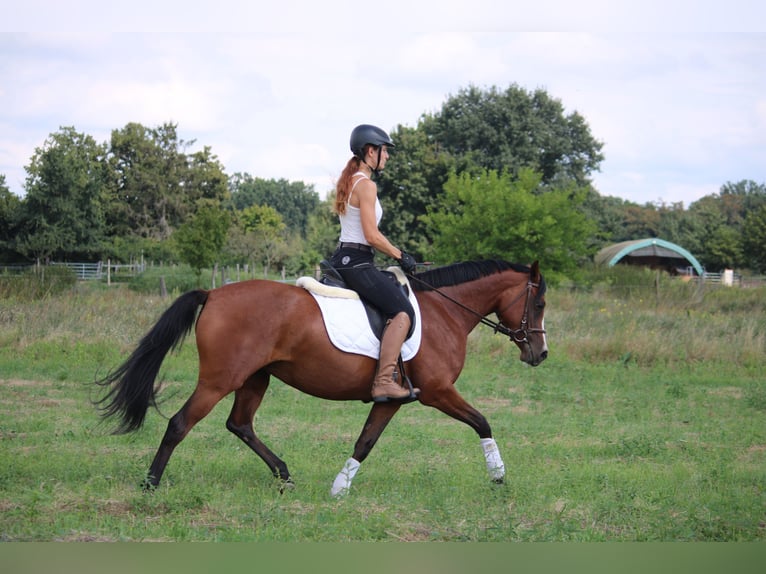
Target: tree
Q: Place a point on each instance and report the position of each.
(739, 198)
(264, 224)
(609, 216)
(322, 234)
(722, 249)
(754, 239)
(201, 238)
(294, 201)
(145, 164)
(412, 180)
(10, 210)
(515, 129)
(497, 216)
(156, 184)
(722, 219)
(681, 227)
(505, 131)
(63, 213)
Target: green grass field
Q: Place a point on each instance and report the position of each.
(646, 423)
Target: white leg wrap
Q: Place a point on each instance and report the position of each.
(342, 482)
(495, 465)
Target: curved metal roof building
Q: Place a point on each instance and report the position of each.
(651, 252)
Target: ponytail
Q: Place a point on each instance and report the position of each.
(343, 187)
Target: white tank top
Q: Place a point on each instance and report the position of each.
(351, 222)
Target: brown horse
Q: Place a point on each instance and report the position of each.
(248, 332)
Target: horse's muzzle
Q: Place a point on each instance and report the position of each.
(534, 359)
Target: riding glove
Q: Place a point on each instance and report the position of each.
(407, 263)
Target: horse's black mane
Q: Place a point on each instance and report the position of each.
(458, 273)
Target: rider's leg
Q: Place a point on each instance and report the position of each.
(387, 384)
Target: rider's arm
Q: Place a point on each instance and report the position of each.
(367, 192)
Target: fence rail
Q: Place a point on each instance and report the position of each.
(724, 278)
(84, 271)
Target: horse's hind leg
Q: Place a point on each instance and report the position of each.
(377, 420)
(201, 402)
(247, 399)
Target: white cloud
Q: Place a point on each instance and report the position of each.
(275, 92)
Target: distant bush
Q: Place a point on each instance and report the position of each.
(36, 282)
(177, 278)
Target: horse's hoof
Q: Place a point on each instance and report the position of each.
(286, 485)
(147, 485)
(500, 480)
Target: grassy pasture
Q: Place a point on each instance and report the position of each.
(647, 422)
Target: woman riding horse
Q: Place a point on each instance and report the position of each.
(359, 211)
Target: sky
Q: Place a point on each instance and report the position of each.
(675, 89)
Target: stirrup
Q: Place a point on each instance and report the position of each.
(413, 396)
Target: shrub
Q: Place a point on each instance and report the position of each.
(178, 279)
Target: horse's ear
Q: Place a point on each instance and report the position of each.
(534, 273)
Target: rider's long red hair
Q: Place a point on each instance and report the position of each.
(343, 187)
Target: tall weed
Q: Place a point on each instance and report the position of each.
(656, 319)
(36, 283)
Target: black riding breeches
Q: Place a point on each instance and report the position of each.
(360, 274)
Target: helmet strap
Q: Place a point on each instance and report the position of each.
(375, 171)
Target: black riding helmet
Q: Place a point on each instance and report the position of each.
(366, 134)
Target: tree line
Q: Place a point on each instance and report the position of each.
(494, 173)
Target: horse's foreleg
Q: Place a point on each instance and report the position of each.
(377, 421)
(451, 403)
(247, 399)
(196, 408)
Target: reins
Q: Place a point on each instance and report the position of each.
(520, 335)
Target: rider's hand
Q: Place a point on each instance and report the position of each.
(407, 263)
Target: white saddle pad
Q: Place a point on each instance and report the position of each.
(346, 320)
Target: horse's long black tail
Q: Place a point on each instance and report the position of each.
(132, 389)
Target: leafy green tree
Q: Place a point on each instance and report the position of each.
(10, 211)
(506, 131)
(201, 238)
(63, 212)
(323, 231)
(497, 216)
(514, 129)
(294, 201)
(740, 198)
(682, 228)
(723, 249)
(156, 184)
(721, 221)
(409, 185)
(754, 239)
(264, 225)
(204, 178)
(145, 165)
(609, 216)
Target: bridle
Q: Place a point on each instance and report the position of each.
(520, 335)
